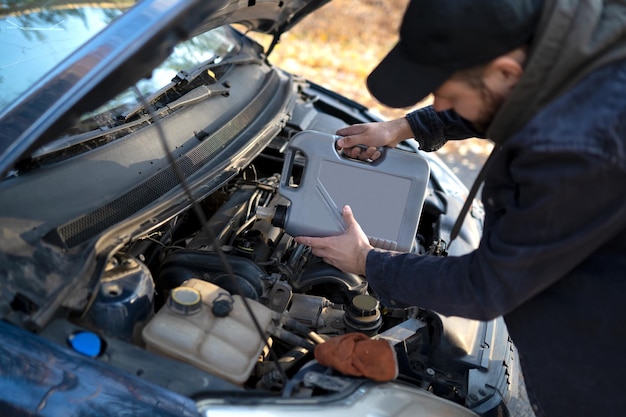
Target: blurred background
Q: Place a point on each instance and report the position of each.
(341, 43)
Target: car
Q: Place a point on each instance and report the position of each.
(138, 142)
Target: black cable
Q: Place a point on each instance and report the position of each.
(204, 229)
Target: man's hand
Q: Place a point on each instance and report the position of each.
(373, 136)
(347, 252)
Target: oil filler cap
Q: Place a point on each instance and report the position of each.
(363, 315)
(185, 300)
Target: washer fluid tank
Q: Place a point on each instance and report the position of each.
(386, 195)
(204, 325)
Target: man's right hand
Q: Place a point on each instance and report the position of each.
(372, 136)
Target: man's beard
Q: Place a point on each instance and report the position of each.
(492, 103)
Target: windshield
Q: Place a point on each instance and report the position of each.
(34, 38)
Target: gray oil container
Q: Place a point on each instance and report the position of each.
(386, 195)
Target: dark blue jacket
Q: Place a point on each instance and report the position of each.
(552, 259)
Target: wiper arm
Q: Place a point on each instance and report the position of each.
(189, 81)
(182, 80)
(197, 94)
(183, 77)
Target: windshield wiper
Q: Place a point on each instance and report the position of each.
(197, 94)
(184, 89)
(187, 82)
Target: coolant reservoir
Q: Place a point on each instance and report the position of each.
(386, 195)
(204, 325)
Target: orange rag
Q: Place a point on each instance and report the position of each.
(355, 354)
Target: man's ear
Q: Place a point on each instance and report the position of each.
(505, 71)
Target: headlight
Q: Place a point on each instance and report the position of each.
(370, 400)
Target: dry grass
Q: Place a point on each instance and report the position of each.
(341, 43)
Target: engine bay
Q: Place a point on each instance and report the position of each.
(218, 301)
(235, 299)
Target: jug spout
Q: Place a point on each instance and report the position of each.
(277, 215)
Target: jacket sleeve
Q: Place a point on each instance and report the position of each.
(433, 129)
(565, 206)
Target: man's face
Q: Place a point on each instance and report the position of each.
(477, 102)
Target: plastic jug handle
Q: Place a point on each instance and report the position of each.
(382, 149)
(285, 175)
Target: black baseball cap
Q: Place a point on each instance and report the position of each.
(441, 37)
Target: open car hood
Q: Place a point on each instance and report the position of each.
(117, 57)
(126, 50)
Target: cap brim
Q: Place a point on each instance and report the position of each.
(400, 82)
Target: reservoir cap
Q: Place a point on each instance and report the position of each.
(86, 343)
(185, 300)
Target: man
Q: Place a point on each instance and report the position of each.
(546, 81)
